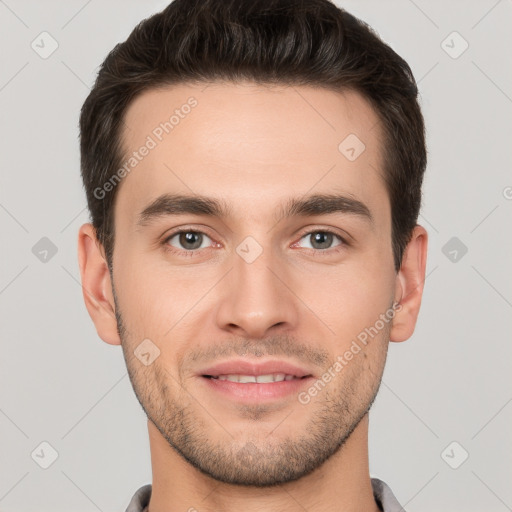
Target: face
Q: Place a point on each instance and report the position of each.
(258, 283)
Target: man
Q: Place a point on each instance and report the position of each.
(253, 169)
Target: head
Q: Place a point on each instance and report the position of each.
(280, 121)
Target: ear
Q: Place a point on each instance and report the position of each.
(97, 285)
(409, 285)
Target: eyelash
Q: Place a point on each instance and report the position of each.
(191, 253)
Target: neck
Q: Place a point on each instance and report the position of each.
(341, 484)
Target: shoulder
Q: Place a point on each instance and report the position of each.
(384, 497)
(140, 499)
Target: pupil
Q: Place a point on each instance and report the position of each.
(326, 237)
(188, 238)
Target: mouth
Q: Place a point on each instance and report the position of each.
(248, 381)
(258, 379)
(246, 370)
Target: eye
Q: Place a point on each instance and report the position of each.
(188, 240)
(322, 239)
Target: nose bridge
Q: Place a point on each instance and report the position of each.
(256, 297)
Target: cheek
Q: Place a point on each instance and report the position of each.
(161, 303)
(352, 297)
(144, 298)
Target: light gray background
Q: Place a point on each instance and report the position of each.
(451, 381)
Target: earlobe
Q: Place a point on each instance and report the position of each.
(97, 285)
(410, 281)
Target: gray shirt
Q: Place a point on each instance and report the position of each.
(383, 496)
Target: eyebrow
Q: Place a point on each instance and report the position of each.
(316, 204)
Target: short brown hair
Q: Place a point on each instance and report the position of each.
(283, 42)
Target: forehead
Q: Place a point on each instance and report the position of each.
(252, 145)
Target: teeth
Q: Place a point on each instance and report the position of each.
(271, 377)
(245, 378)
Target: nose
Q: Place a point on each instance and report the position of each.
(257, 297)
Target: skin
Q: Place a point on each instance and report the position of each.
(255, 147)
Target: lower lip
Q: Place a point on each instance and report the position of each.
(257, 391)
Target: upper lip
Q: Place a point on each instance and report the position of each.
(245, 367)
